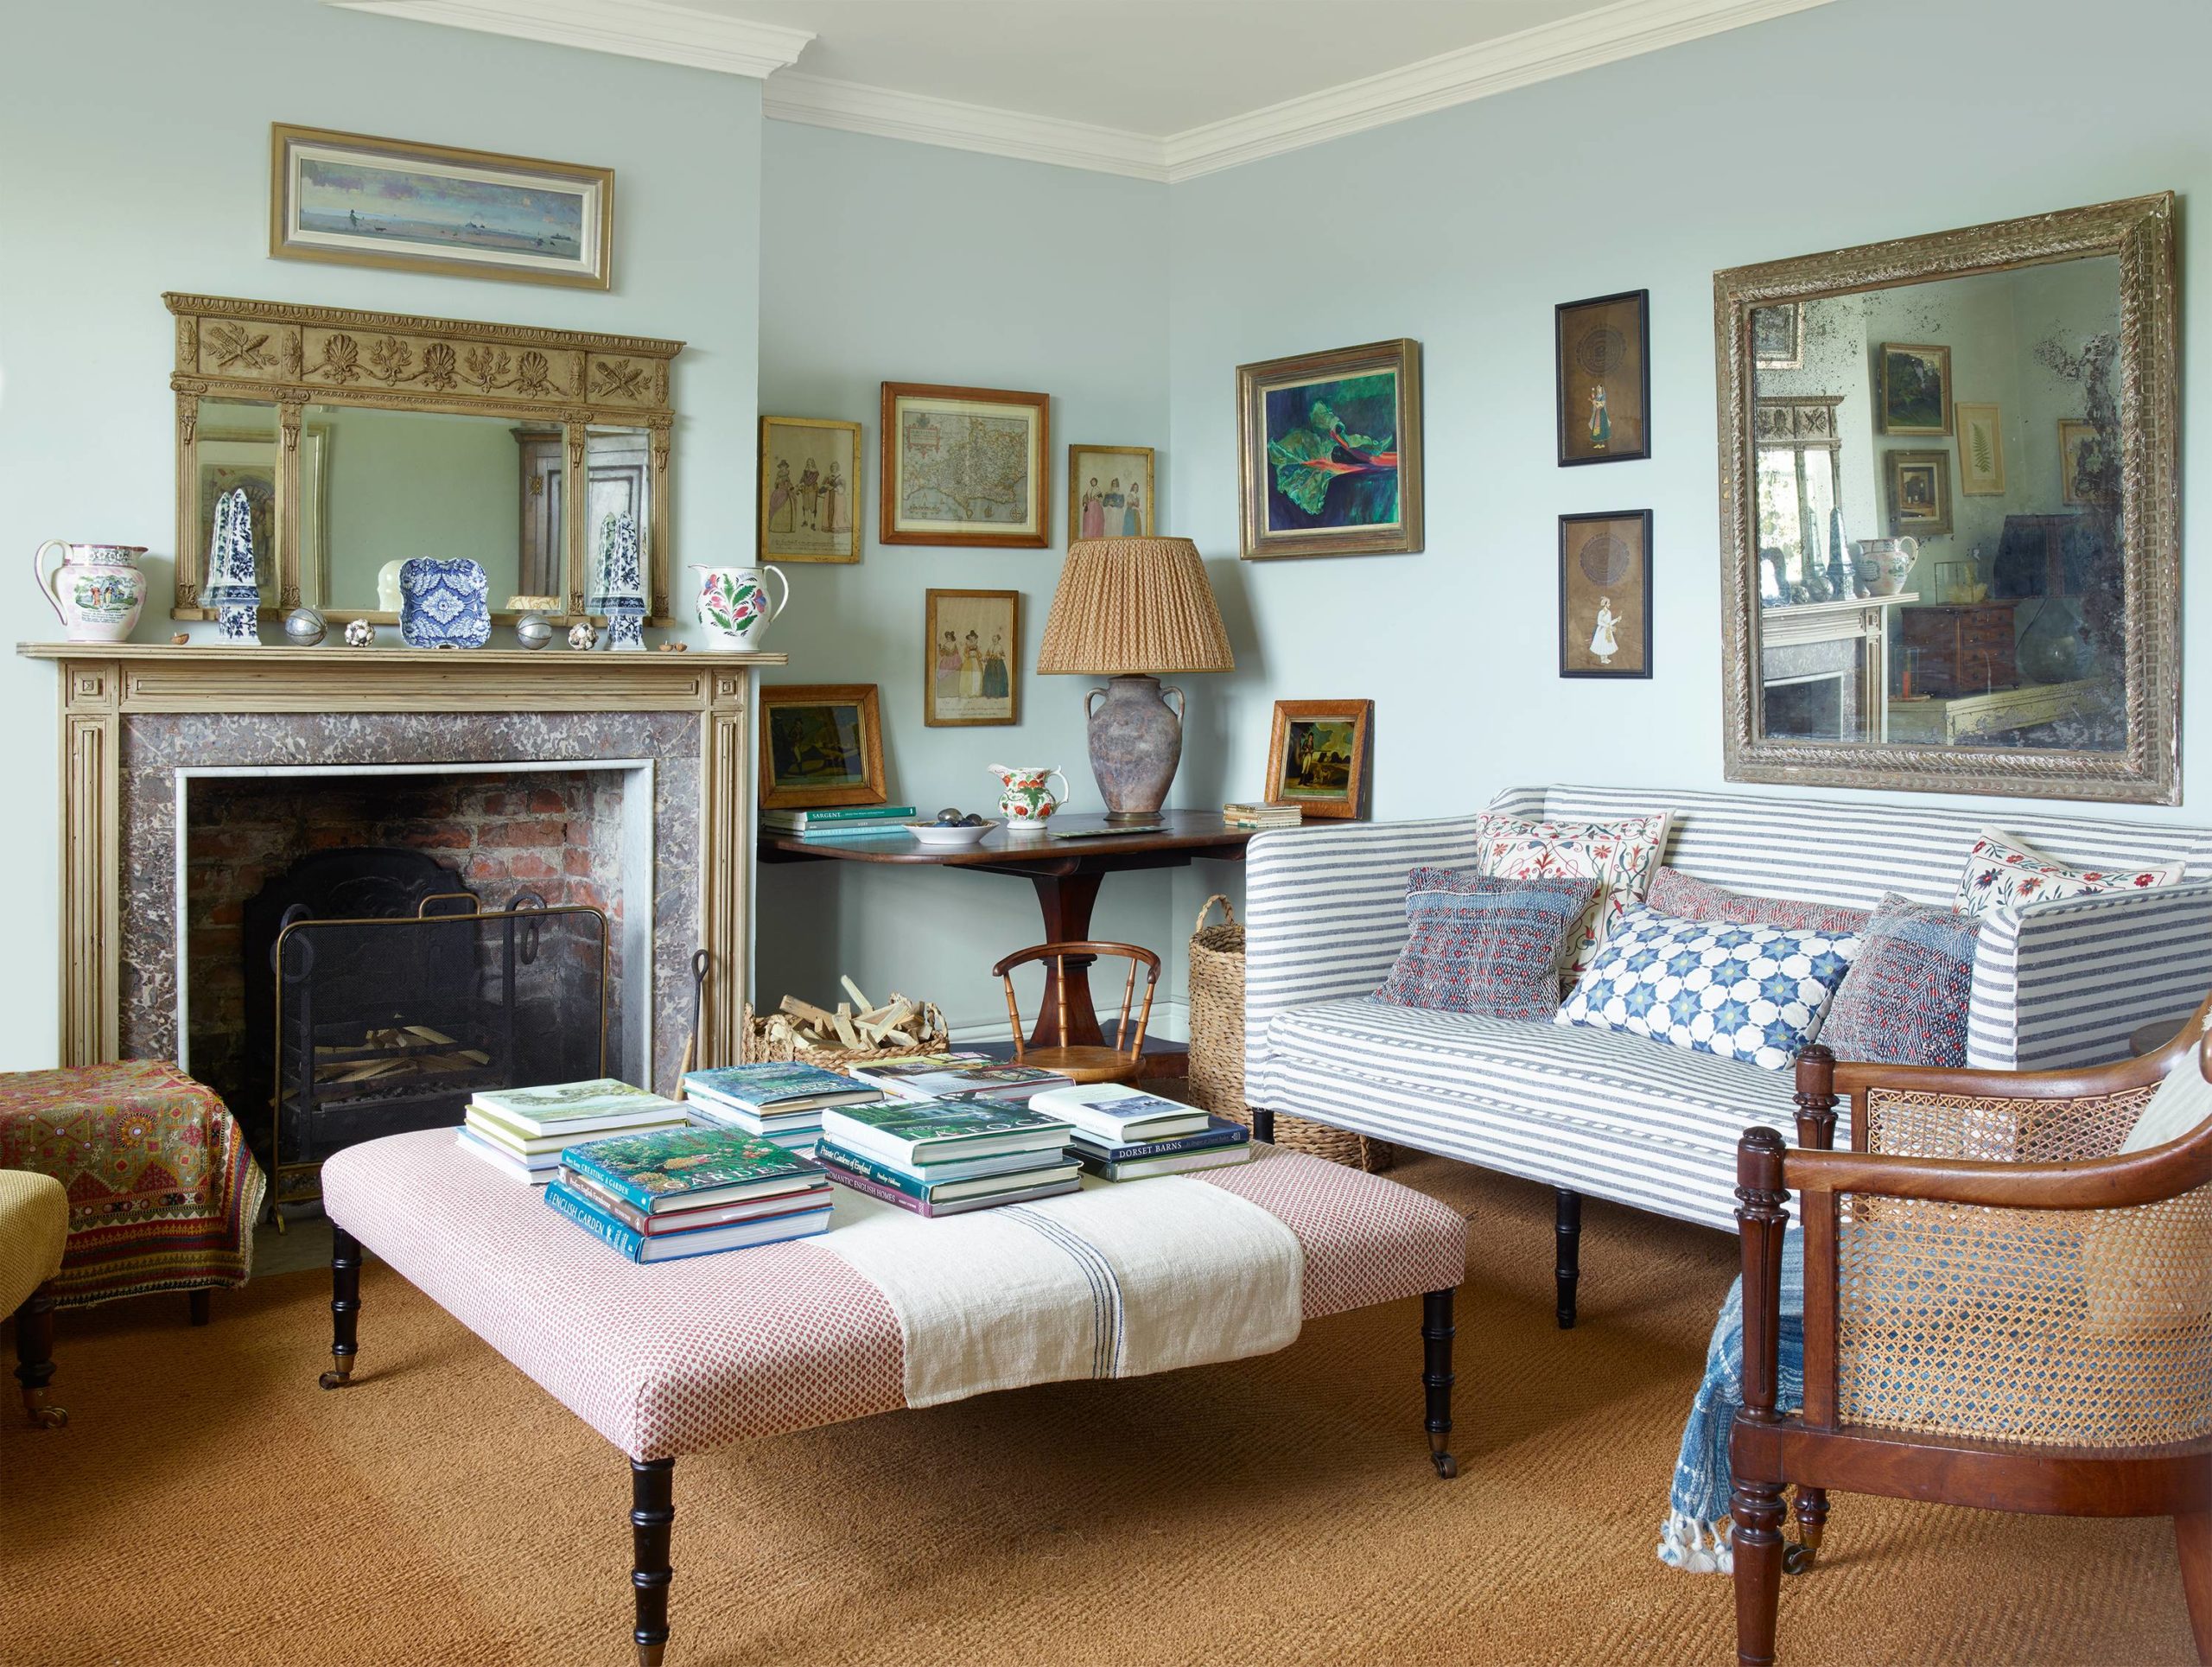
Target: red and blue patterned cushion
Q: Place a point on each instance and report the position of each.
(1685, 897)
(1483, 945)
(1904, 1002)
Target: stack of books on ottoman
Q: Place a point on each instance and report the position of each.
(945, 1157)
(523, 1131)
(947, 1076)
(780, 1102)
(1125, 1134)
(690, 1192)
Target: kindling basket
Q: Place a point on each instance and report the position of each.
(1217, 1080)
(770, 1038)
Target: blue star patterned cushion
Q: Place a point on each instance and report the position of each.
(1485, 946)
(1743, 992)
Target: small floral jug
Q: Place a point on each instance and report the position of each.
(96, 591)
(733, 603)
(1024, 801)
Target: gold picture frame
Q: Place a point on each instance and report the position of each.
(1003, 438)
(1981, 449)
(1919, 492)
(1909, 406)
(971, 658)
(803, 520)
(1304, 493)
(821, 745)
(1318, 756)
(1111, 499)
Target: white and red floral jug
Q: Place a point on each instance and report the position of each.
(1025, 801)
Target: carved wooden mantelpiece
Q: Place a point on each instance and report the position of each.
(105, 685)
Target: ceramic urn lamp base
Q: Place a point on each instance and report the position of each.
(1136, 742)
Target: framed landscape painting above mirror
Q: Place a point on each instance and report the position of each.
(1950, 554)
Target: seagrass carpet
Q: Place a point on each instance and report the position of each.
(207, 1504)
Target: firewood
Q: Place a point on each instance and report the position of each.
(805, 1010)
(854, 991)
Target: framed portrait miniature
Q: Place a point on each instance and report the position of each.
(1605, 594)
(1318, 756)
(1328, 451)
(1109, 491)
(1920, 492)
(1916, 389)
(821, 745)
(1603, 377)
(964, 466)
(972, 658)
(809, 496)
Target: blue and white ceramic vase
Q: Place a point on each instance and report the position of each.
(230, 588)
(619, 584)
(444, 603)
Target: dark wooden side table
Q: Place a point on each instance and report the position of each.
(1066, 873)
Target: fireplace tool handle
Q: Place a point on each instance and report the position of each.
(701, 961)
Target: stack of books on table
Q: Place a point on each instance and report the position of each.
(690, 1192)
(945, 1157)
(941, 1076)
(843, 823)
(1125, 1134)
(1261, 815)
(781, 1103)
(523, 1131)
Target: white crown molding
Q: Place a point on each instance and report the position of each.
(922, 119)
(634, 28)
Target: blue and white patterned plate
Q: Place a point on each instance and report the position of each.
(444, 604)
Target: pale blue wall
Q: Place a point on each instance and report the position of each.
(882, 261)
(134, 158)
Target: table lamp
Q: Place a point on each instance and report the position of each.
(1129, 609)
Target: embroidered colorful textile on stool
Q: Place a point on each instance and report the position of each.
(162, 1191)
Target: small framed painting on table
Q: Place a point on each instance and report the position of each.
(1602, 377)
(1109, 491)
(1318, 755)
(1605, 594)
(809, 490)
(972, 658)
(821, 745)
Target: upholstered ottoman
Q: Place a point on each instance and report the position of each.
(887, 1310)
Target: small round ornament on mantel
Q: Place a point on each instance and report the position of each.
(304, 627)
(533, 631)
(360, 634)
(581, 635)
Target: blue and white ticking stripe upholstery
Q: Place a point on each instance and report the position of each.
(2059, 984)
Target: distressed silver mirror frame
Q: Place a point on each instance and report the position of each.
(2139, 231)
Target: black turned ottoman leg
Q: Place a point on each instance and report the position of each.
(35, 1358)
(345, 1306)
(1570, 1253)
(1263, 1124)
(652, 1510)
(1436, 1378)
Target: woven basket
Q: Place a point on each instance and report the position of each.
(1216, 1078)
(770, 1038)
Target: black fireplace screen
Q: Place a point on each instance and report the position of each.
(388, 1024)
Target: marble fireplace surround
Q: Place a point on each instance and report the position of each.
(133, 715)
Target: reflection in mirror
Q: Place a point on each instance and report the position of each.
(615, 459)
(235, 445)
(1939, 528)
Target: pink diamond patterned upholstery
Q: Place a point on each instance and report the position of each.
(685, 1357)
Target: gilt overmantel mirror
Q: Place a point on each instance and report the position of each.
(1951, 543)
(363, 439)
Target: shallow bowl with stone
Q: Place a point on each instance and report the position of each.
(950, 833)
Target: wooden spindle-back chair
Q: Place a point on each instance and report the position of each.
(1094, 1063)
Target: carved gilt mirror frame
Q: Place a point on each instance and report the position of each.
(2139, 234)
(290, 357)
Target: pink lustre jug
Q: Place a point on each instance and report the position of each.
(1026, 802)
(96, 591)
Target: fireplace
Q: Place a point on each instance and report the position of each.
(1807, 709)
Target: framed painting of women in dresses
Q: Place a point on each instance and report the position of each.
(972, 658)
(1603, 377)
(1109, 491)
(1605, 594)
(809, 490)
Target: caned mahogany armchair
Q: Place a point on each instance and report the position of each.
(2000, 1312)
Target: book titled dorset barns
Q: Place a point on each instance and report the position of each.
(1113, 1113)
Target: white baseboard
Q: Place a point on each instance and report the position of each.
(1170, 1021)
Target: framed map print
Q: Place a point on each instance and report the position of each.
(964, 466)
(809, 490)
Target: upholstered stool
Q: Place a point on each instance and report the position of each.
(33, 1231)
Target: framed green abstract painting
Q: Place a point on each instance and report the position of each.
(1328, 452)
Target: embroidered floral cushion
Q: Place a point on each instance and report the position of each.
(1904, 1000)
(1688, 898)
(1621, 856)
(1743, 992)
(2001, 872)
(1483, 945)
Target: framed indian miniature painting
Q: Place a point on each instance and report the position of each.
(1602, 377)
(1605, 594)
(1328, 449)
(809, 490)
(1318, 756)
(1916, 389)
(964, 466)
(1109, 491)
(366, 202)
(972, 645)
(821, 745)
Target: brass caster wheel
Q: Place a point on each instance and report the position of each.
(49, 1417)
(1446, 1466)
(340, 1375)
(1797, 1558)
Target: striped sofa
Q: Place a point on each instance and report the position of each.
(2057, 983)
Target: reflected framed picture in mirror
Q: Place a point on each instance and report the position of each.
(1778, 336)
(1916, 388)
(1920, 492)
(1981, 450)
(1602, 370)
(1605, 594)
(2087, 470)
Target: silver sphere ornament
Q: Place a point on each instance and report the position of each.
(360, 634)
(304, 627)
(533, 631)
(581, 635)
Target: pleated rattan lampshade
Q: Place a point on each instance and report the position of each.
(1134, 605)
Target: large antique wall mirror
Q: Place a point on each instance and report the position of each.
(1951, 549)
(363, 439)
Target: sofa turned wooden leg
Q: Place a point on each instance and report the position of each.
(652, 1512)
(1569, 1232)
(1436, 1378)
(2193, 1540)
(35, 1358)
(345, 1308)
(1263, 1124)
